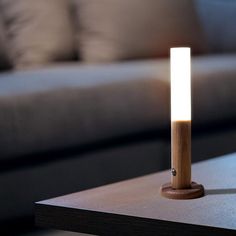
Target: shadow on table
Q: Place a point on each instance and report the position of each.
(220, 191)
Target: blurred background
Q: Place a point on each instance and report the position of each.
(85, 94)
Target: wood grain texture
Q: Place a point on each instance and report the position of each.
(135, 207)
(181, 154)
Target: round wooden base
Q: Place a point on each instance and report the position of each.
(195, 191)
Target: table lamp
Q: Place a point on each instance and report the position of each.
(181, 186)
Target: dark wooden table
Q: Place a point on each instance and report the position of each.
(135, 207)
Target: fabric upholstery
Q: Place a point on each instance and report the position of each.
(4, 60)
(62, 107)
(70, 106)
(213, 89)
(218, 20)
(39, 32)
(115, 30)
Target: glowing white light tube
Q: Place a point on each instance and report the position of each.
(180, 62)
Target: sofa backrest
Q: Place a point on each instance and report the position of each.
(53, 30)
(218, 18)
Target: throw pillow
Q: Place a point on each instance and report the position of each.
(39, 32)
(4, 60)
(119, 29)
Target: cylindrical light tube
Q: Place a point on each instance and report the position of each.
(180, 118)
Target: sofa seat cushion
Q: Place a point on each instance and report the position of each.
(72, 105)
(214, 90)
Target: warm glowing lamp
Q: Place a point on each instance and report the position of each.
(181, 186)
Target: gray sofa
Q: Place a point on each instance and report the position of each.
(72, 126)
(58, 136)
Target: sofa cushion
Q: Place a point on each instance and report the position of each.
(61, 107)
(214, 86)
(115, 30)
(4, 60)
(39, 32)
(73, 106)
(218, 20)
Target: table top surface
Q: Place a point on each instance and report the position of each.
(137, 201)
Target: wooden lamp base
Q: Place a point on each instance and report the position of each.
(195, 191)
